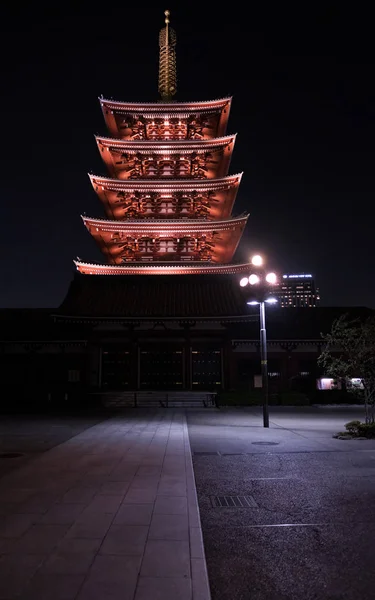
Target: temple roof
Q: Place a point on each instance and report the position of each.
(159, 108)
(211, 117)
(216, 197)
(162, 269)
(212, 240)
(188, 159)
(194, 297)
(162, 225)
(162, 147)
(129, 296)
(163, 185)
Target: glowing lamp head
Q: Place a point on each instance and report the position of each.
(257, 260)
(271, 278)
(271, 300)
(253, 302)
(253, 279)
(244, 281)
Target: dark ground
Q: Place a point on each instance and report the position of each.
(29, 435)
(312, 533)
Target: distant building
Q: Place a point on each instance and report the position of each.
(297, 290)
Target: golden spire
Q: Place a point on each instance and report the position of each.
(167, 61)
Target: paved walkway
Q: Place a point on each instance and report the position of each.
(110, 514)
(309, 533)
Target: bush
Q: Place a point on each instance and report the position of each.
(358, 429)
(366, 430)
(352, 427)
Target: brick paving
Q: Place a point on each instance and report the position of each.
(111, 513)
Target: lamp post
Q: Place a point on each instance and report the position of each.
(260, 296)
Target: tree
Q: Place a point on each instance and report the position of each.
(349, 353)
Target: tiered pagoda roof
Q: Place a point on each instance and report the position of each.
(169, 197)
(127, 120)
(171, 268)
(213, 198)
(191, 159)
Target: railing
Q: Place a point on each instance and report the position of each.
(162, 399)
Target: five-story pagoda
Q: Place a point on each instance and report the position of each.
(168, 198)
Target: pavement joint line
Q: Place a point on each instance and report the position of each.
(270, 478)
(328, 524)
(302, 451)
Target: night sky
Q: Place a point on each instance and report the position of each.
(303, 108)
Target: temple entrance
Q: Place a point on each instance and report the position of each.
(116, 368)
(161, 369)
(206, 366)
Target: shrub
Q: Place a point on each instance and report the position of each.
(358, 429)
(366, 430)
(352, 427)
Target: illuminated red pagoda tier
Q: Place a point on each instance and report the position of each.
(144, 199)
(169, 198)
(174, 121)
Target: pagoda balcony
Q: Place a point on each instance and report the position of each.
(132, 213)
(211, 199)
(172, 121)
(160, 256)
(206, 159)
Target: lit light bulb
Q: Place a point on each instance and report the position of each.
(257, 260)
(271, 278)
(253, 279)
(244, 281)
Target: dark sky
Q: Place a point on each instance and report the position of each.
(303, 108)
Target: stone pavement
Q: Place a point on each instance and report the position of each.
(111, 514)
(309, 532)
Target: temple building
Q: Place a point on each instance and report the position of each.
(164, 309)
(168, 236)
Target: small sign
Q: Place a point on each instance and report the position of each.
(258, 381)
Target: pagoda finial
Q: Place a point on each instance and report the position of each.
(167, 61)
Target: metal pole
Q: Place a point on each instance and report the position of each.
(263, 358)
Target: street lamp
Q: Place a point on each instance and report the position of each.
(257, 260)
(261, 281)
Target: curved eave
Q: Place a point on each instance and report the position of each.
(164, 226)
(171, 269)
(162, 147)
(118, 185)
(160, 107)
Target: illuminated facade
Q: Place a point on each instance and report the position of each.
(168, 199)
(297, 290)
